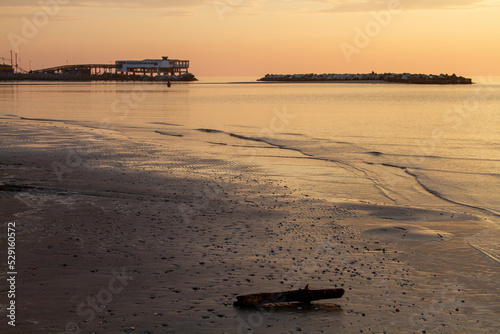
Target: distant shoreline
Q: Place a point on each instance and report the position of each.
(93, 77)
(404, 78)
(408, 78)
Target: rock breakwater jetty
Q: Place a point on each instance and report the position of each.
(408, 78)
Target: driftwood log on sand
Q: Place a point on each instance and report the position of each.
(304, 296)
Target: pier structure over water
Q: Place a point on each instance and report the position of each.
(82, 69)
(149, 67)
(163, 69)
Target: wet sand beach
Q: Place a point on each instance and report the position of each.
(122, 236)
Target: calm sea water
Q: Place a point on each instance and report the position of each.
(423, 146)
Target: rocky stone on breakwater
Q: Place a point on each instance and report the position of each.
(443, 79)
(93, 77)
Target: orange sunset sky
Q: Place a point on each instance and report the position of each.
(255, 37)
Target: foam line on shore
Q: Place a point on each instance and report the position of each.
(169, 134)
(489, 254)
(44, 120)
(444, 198)
(163, 123)
(342, 164)
(377, 153)
(375, 183)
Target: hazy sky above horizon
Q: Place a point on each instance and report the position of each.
(255, 37)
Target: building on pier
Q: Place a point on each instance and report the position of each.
(4, 68)
(152, 67)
